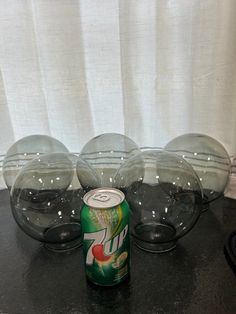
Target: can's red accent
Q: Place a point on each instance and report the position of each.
(97, 251)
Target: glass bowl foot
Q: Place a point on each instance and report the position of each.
(62, 247)
(63, 237)
(155, 237)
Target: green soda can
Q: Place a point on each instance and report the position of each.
(105, 229)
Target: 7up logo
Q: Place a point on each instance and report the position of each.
(100, 249)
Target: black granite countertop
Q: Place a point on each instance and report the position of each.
(193, 278)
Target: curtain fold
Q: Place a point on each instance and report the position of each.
(150, 69)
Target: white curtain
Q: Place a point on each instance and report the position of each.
(150, 69)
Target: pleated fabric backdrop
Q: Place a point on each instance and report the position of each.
(150, 69)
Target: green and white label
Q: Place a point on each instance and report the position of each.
(106, 243)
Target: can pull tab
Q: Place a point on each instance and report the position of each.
(101, 197)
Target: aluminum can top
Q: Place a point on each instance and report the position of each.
(103, 198)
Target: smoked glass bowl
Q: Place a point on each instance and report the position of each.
(106, 153)
(46, 199)
(208, 158)
(165, 197)
(27, 149)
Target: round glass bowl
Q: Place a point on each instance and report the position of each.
(164, 195)
(106, 153)
(46, 199)
(208, 158)
(27, 149)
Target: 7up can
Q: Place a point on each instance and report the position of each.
(105, 228)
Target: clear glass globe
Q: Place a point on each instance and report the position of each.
(165, 197)
(208, 158)
(46, 199)
(106, 152)
(27, 149)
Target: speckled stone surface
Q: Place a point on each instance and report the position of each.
(193, 278)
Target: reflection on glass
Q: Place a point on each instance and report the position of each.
(25, 150)
(165, 197)
(46, 199)
(106, 152)
(208, 158)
